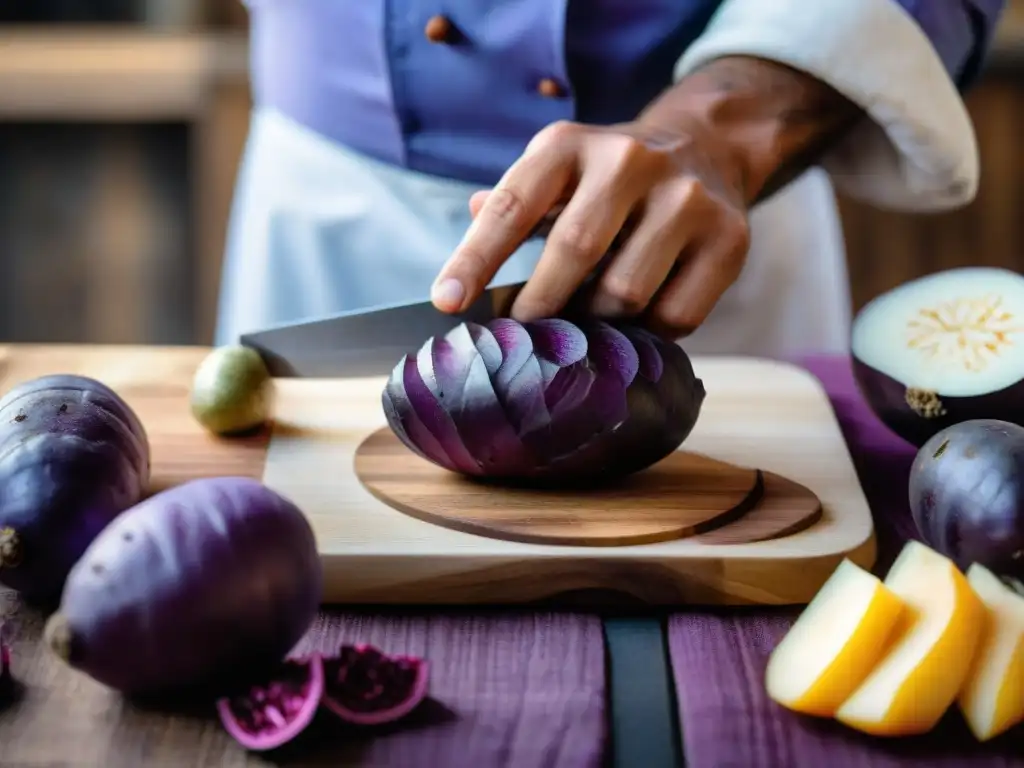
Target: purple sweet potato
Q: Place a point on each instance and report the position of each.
(198, 587)
(73, 456)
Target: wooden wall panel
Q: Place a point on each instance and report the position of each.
(220, 140)
(885, 249)
(95, 233)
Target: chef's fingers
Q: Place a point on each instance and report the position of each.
(614, 178)
(582, 235)
(672, 217)
(543, 229)
(512, 209)
(705, 273)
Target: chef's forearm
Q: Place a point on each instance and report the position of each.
(900, 60)
(776, 120)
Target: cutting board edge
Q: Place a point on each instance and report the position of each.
(822, 539)
(479, 579)
(654, 511)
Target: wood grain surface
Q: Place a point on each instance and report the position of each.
(785, 508)
(54, 716)
(374, 554)
(758, 413)
(684, 495)
(155, 381)
(57, 717)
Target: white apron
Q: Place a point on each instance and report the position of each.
(317, 228)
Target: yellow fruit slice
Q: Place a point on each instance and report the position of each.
(992, 698)
(834, 644)
(931, 652)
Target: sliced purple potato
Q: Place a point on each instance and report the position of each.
(486, 345)
(419, 422)
(612, 353)
(943, 349)
(519, 381)
(558, 341)
(562, 402)
(651, 364)
(577, 441)
(406, 422)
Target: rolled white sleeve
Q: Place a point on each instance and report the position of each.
(916, 150)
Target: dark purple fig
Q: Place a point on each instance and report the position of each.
(204, 584)
(274, 710)
(967, 495)
(943, 349)
(551, 401)
(73, 456)
(363, 686)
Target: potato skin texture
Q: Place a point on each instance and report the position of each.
(73, 456)
(196, 588)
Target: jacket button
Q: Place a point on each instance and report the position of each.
(438, 29)
(550, 88)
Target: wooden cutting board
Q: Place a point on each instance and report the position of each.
(758, 414)
(684, 494)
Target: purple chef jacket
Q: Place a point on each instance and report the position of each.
(363, 73)
(368, 140)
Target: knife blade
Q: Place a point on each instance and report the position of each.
(369, 341)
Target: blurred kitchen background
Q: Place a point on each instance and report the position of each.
(121, 127)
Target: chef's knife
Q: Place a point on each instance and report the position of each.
(366, 342)
(371, 341)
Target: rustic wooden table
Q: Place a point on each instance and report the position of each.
(496, 677)
(522, 689)
(57, 717)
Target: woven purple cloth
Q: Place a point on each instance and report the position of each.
(507, 690)
(719, 657)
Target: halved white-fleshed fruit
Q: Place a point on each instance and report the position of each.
(941, 349)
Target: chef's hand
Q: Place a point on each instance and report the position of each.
(672, 200)
(670, 189)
